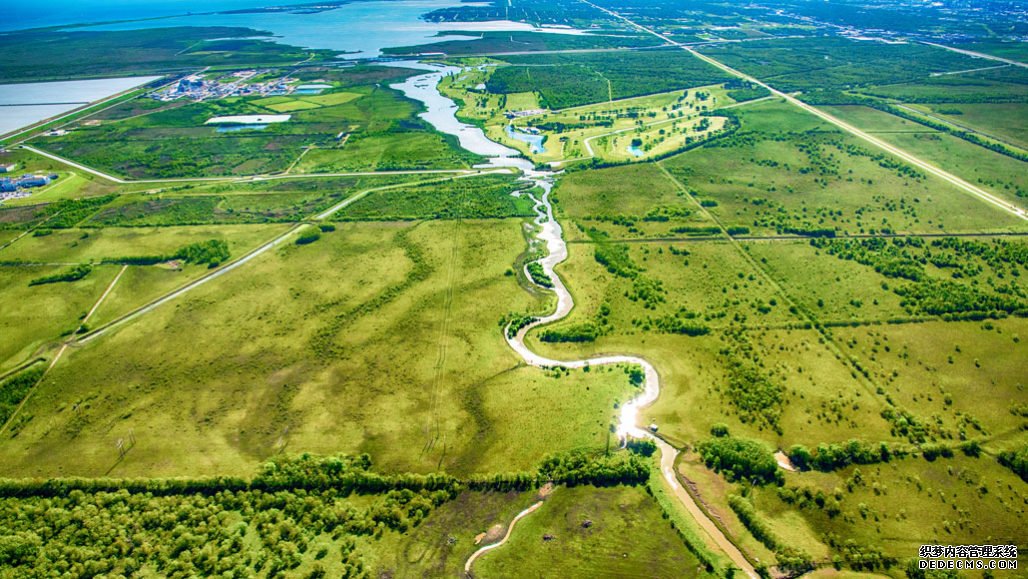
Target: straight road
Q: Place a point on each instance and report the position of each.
(266, 177)
(958, 126)
(975, 54)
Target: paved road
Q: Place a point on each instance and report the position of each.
(978, 192)
(958, 126)
(975, 54)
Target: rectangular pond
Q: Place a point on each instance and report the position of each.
(22, 105)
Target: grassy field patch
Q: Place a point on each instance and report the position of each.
(593, 531)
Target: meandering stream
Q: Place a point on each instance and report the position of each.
(441, 114)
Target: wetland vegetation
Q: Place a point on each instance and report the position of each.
(295, 351)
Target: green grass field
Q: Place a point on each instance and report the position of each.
(826, 180)
(307, 331)
(796, 288)
(614, 130)
(594, 532)
(35, 316)
(894, 508)
(381, 129)
(762, 370)
(441, 544)
(1004, 121)
(997, 173)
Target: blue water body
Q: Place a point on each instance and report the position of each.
(535, 142)
(236, 128)
(71, 91)
(636, 151)
(360, 29)
(312, 88)
(28, 103)
(20, 14)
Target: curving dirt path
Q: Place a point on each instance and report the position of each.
(510, 529)
(551, 234)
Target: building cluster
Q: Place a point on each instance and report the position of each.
(198, 88)
(15, 188)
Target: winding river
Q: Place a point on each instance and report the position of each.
(442, 114)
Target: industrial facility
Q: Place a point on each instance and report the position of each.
(18, 188)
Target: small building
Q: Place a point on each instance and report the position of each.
(8, 168)
(7, 186)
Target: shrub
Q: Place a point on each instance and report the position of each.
(309, 236)
(740, 459)
(719, 430)
(578, 467)
(643, 446)
(74, 274)
(1016, 460)
(586, 332)
(213, 252)
(538, 275)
